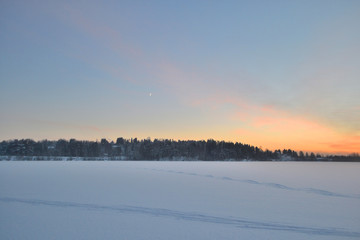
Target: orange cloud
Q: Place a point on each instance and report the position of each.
(275, 129)
(349, 144)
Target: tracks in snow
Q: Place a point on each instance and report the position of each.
(266, 184)
(188, 216)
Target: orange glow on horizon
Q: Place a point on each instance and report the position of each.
(278, 132)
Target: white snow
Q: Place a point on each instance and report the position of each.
(179, 200)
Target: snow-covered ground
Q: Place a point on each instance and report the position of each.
(179, 200)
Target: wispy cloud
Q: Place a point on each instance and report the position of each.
(320, 102)
(349, 144)
(100, 31)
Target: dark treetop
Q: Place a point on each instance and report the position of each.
(158, 149)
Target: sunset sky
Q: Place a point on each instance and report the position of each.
(275, 74)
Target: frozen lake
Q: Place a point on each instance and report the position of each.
(179, 200)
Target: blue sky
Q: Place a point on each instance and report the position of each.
(271, 73)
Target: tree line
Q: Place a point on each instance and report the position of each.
(157, 149)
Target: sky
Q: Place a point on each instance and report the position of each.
(275, 74)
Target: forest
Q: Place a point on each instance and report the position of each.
(157, 149)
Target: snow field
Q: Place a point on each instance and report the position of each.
(179, 200)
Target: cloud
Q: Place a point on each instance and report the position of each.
(320, 102)
(264, 125)
(349, 144)
(278, 129)
(99, 30)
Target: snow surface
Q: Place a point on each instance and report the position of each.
(179, 200)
